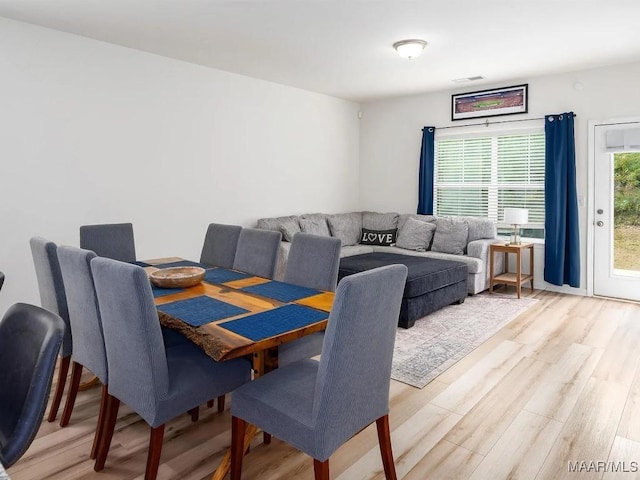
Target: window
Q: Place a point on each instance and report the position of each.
(481, 175)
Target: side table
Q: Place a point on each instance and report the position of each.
(510, 278)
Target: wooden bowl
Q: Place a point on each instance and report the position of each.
(177, 277)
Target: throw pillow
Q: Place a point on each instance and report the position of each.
(315, 226)
(346, 226)
(415, 235)
(451, 236)
(385, 238)
(288, 226)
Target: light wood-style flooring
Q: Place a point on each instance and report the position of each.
(559, 384)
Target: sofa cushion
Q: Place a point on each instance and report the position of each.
(315, 226)
(475, 265)
(480, 228)
(378, 237)
(346, 226)
(415, 235)
(402, 219)
(450, 236)
(288, 226)
(357, 250)
(380, 221)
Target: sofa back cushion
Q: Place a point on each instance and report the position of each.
(346, 226)
(423, 218)
(288, 226)
(415, 235)
(315, 226)
(451, 235)
(380, 221)
(480, 227)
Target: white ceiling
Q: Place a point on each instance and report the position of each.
(343, 48)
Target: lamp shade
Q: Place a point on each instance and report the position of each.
(516, 216)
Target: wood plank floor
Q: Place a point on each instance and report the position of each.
(558, 389)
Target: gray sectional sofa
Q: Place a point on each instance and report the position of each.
(464, 239)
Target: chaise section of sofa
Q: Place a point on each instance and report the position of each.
(463, 239)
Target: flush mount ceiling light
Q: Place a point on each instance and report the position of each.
(409, 48)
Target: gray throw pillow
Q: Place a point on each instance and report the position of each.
(315, 226)
(451, 236)
(346, 226)
(415, 235)
(288, 226)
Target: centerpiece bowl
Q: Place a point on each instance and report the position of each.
(177, 277)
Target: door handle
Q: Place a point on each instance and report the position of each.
(600, 223)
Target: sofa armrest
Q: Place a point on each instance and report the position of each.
(480, 249)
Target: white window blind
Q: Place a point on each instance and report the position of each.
(481, 175)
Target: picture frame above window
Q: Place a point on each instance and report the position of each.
(490, 103)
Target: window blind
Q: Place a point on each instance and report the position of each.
(480, 176)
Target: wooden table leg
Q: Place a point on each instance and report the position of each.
(519, 272)
(263, 362)
(531, 265)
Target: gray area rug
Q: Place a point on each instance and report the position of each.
(440, 339)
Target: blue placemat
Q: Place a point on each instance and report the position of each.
(221, 275)
(274, 322)
(161, 292)
(200, 310)
(141, 264)
(283, 292)
(181, 263)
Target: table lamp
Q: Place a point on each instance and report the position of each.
(516, 217)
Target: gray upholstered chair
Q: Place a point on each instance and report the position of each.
(110, 240)
(88, 340)
(157, 383)
(317, 406)
(220, 245)
(257, 252)
(30, 338)
(313, 262)
(54, 299)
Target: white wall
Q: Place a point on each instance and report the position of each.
(390, 133)
(93, 133)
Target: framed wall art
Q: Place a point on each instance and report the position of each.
(490, 103)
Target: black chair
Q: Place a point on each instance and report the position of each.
(30, 338)
(1, 280)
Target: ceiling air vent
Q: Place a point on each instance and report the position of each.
(467, 79)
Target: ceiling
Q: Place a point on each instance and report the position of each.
(343, 48)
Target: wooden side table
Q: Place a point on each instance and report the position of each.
(510, 278)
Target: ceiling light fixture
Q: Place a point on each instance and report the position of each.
(409, 48)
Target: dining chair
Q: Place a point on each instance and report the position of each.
(220, 245)
(257, 252)
(1, 280)
(110, 240)
(316, 406)
(30, 338)
(54, 299)
(86, 325)
(157, 383)
(313, 263)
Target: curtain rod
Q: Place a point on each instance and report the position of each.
(487, 122)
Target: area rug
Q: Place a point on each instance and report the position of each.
(440, 339)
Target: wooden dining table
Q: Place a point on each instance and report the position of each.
(233, 314)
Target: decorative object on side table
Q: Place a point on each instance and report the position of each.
(515, 217)
(490, 103)
(177, 277)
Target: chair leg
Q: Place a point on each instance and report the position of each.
(221, 399)
(321, 469)
(100, 425)
(384, 438)
(76, 373)
(238, 429)
(266, 438)
(155, 450)
(62, 379)
(195, 414)
(111, 415)
(209, 403)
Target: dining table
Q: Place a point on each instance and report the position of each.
(232, 314)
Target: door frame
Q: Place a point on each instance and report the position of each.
(591, 197)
